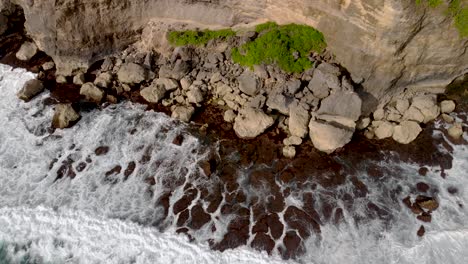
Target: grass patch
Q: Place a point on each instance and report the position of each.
(289, 46)
(431, 3)
(197, 38)
(457, 10)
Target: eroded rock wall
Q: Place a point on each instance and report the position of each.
(386, 45)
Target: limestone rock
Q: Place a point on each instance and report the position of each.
(195, 95)
(183, 113)
(413, 114)
(64, 116)
(447, 106)
(168, 84)
(248, 83)
(30, 89)
(345, 104)
(402, 105)
(154, 93)
(279, 102)
(79, 79)
(103, 80)
(48, 65)
(92, 92)
(180, 70)
(250, 123)
(292, 141)
(229, 116)
(298, 120)
(406, 132)
(379, 114)
(383, 130)
(293, 86)
(456, 131)
(328, 137)
(430, 114)
(61, 79)
(318, 85)
(27, 51)
(132, 73)
(447, 118)
(289, 152)
(427, 104)
(363, 123)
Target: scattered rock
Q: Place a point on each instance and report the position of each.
(30, 89)
(79, 79)
(64, 116)
(318, 85)
(104, 80)
(421, 231)
(345, 104)
(250, 123)
(178, 140)
(456, 131)
(406, 132)
(402, 105)
(298, 120)
(289, 152)
(183, 113)
(363, 123)
(132, 73)
(383, 130)
(425, 217)
(48, 65)
(195, 95)
(428, 203)
(92, 92)
(293, 86)
(413, 114)
(447, 118)
(154, 93)
(327, 137)
(292, 141)
(447, 106)
(229, 116)
(61, 79)
(168, 84)
(422, 187)
(27, 51)
(248, 83)
(427, 104)
(101, 151)
(279, 102)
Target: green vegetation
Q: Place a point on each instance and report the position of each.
(457, 10)
(288, 46)
(197, 38)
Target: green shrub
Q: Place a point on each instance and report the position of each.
(289, 46)
(456, 10)
(431, 3)
(197, 38)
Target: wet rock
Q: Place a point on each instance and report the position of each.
(48, 65)
(154, 93)
(30, 89)
(248, 83)
(406, 132)
(229, 116)
(383, 129)
(293, 245)
(198, 217)
(289, 152)
(345, 104)
(183, 113)
(132, 73)
(422, 187)
(447, 106)
(423, 171)
(264, 242)
(168, 84)
(299, 118)
(64, 116)
(456, 131)
(27, 51)
(329, 137)
(101, 151)
(79, 79)
(421, 231)
(425, 217)
(428, 203)
(92, 92)
(250, 123)
(103, 80)
(178, 140)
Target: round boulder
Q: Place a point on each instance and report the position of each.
(406, 132)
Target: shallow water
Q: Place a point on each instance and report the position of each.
(51, 215)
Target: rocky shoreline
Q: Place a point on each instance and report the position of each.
(263, 115)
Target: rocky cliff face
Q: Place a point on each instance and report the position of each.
(386, 45)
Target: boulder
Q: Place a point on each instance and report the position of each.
(447, 106)
(383, 129)
(344, 121)
(448, 118)
(92, 92)
(379, 114)
(257, 102)
(329, 137)
(107, 64)
(406, 132)
(168, 84)
(298, 120)
(180, 70)
(48, 65)
(456, 131)
(64, 116)
(229, 116)
(430, 114)
(279, 102)
(292, 141)
(248, 83)
(402, 105)
(328, 68)
(318, 85)
(79, 79)
(293, 86)
(342, 103)
(132, 73)
(413, 114)
(30, 89)
(154, 93)
(3, 24)
(427, 104)
(289, 152)
(250, 123)
(103, 80)
(27, 51)
(363, 123)
(183, 113)
(195, 95)
(61, 79)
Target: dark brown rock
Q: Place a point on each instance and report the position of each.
(422, 187)
(425, 217)
(264, 242)
(101, 151)
(198, 217)
(421, 231)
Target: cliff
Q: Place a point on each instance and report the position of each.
(386, 45)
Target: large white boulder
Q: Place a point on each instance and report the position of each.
(250, 123)
(447, 106)
(342, 103)
(26, 51)
(298, 120)
(406, 132)
(383, 129)
(132, 73)
(249, 83)
(328, 137)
